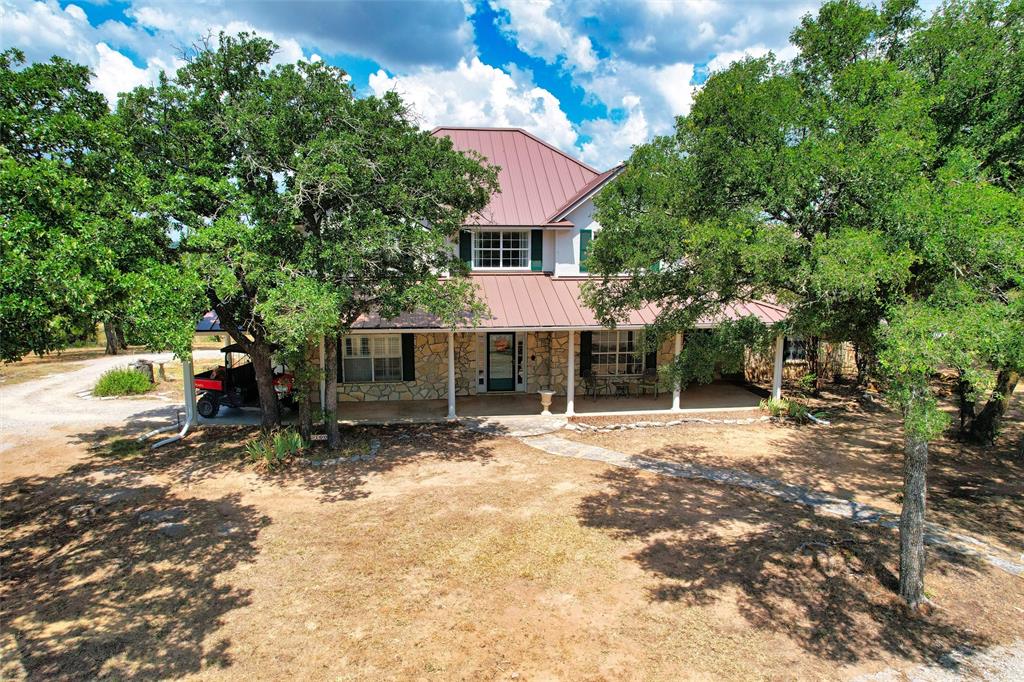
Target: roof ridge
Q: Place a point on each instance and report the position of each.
(514, 129)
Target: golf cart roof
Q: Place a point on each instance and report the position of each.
(237, 348)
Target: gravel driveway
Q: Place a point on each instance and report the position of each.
(54, 401)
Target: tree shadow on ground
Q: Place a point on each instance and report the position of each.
(92, 587)
(211, 451)
(824, 583)
(977, 489)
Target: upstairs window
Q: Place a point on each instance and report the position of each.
(371, 358)
(504, 249)
(614, 353)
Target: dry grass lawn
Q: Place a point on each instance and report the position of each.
(978, 489)
(451, 556)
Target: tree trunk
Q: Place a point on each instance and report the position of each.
(814, 362)
(112, 347)
(986, 423)
(270, 410)
(331, 391)
(915, 468)
(966, 404)
(304, 386)
(119, 333)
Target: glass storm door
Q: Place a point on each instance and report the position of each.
(501, 362)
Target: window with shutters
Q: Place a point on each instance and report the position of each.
(501, 250)
(614, 353)
(794, 349)
(371, 358)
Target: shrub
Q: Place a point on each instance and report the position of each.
(780, 407)
(275, 449)
(121, 381)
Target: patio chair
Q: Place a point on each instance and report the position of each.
(592, 386)
(649, 380)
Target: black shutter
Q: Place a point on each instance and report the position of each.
(536, 250)
(651, 360)
(408, 357)
(466, 247)
(340, 352)
(586, 352)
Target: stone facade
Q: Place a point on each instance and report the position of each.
(838, 361)
(431, 383)
(546, 356)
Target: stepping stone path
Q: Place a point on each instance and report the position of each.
(821, 503)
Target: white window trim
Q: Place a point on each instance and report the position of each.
(473, 249)
(637, 341)
(373, 370)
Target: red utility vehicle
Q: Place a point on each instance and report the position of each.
(234, 384)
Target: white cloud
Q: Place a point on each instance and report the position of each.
(115, 73)
(476, 94)
(538, 34)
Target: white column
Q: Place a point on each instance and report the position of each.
(189, 379)
(676, 387)
(570, 381)
(777, 369)
(451, 375)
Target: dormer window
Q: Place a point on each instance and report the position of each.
(504, 249)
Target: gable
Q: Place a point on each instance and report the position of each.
(536, 180)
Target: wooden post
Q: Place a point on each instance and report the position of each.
(777, 369)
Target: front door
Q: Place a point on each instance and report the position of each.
(501, 362)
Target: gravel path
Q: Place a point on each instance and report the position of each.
(821, 503)
(998, 664)
(56, 400)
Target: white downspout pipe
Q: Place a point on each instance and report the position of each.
(188, 378)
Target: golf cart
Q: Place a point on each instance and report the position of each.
(234, 384)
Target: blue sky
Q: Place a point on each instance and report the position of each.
(593, 77)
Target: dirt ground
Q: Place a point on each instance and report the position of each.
(975, 488)
(459, 556)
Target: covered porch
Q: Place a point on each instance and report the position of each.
(718, 396)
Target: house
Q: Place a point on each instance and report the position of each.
(527, 251)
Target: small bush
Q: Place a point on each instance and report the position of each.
(780, 407)
(275, 449)
(121, 381)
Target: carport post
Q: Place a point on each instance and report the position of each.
(570, 374)
(451, 375)
(675, 386)
(777, 369)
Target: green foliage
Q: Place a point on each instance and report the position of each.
(275, 449)
(121, 381)
(783, 408)
(74, 213)
(850, 184)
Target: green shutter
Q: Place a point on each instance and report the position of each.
(536, 250)
(466, 247)
(585, 238)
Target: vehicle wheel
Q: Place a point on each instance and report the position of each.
(208, 408)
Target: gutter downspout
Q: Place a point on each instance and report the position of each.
(188, 378)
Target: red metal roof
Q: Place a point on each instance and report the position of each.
(539, 301)
(536, 179)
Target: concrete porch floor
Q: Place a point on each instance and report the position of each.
(717, 396)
